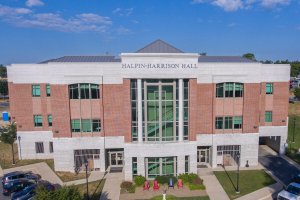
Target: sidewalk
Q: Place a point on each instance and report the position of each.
(111, 189)
(94, 176)
(213, 188)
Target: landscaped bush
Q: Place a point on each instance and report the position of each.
(192, 180)
(196, 187)
(197, 181)
(128, 186)
(139, 180)
(188, 178)
(165, 179)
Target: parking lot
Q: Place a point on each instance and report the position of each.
(2, 197)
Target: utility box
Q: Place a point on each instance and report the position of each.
(5, 116)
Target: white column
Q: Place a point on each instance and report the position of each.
(180, 165)
(180, 107)
(140, 110)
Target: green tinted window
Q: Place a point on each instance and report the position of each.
(48, 90)
(220, 90)
(49, 120)
(228, 122)
(75, 124)
(268, 116)
(219, 122)
(38, 120)
(237, 122)
(269, 88)
(86, 125)
(36, 90)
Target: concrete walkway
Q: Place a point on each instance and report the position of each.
(111, 189)
(39, 168)
(263, 193)
(94, 176)
(213, 187)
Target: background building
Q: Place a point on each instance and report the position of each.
(156, 111)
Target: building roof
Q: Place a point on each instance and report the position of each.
(234, 59)
(83, 59)
(159, 46)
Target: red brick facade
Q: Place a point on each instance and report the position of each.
(116, 106)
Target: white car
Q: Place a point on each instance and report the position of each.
(292, 192)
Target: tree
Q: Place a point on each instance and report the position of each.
(250, 56)
(3, 87)
(63, 193)
(8, 135)
(3, 72)
(297, 92)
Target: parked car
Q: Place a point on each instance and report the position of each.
(296, 179)
(16, 186)
(293, 99)
(18, 174)
(292, 192)
(29, 192)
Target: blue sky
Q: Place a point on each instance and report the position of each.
(37, 30)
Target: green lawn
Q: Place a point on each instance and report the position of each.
(170, 197)
(294, 113)
(95, 189)
(250, 181)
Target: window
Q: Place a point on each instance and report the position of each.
(96, 125)
(39, 147)
(86, 125)
(51, 147)
(134, 166)
(37, 120)
(75, 125)
(268, 116)
(186, 164)
(160, 166)
(219, 122)
(84, 91)
(229, 90)
(228, 122)
(220, 90)
(48, 90)
(36, 90)
(237, 122)
(49, 120)
(269, 88)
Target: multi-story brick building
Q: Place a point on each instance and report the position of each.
(156, 111)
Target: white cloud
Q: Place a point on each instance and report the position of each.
(31, 3)
(9, 11)
(123, 31)
(274, 3)
(23, 17)
(123, 12)
(234, 5)
(229, 5)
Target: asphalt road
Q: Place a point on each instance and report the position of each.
(2, 197)
(280, 168)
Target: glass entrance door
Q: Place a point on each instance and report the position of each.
(203, 156)
(116, 159)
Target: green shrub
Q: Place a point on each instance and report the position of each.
(131, 189)
(192, 177)
(65, 192)
(188, 178)
(139, 180)
(165, 179)
(197, 181)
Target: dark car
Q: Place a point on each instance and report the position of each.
(17, 175)
(16, 186)
(296, 179)
(29, 191)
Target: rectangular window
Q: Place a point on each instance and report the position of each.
(229, 89)
(36, 90)
(86, 125)
(39, 147)
(134, 166)
(51, 147)
(48, 90)
(186, 164)
(75, 125)
(49, 120)
(219, 122)
(228, 122)
(96, 125)
(73, 90)
(84, 91)
(237, 122)
(238, 89)
(95, 91)
(269, 88)
(268, 116)
(38, 122)
(220, 90)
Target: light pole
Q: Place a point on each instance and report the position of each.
(20, 151)
(238, 174)
(86, 176)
